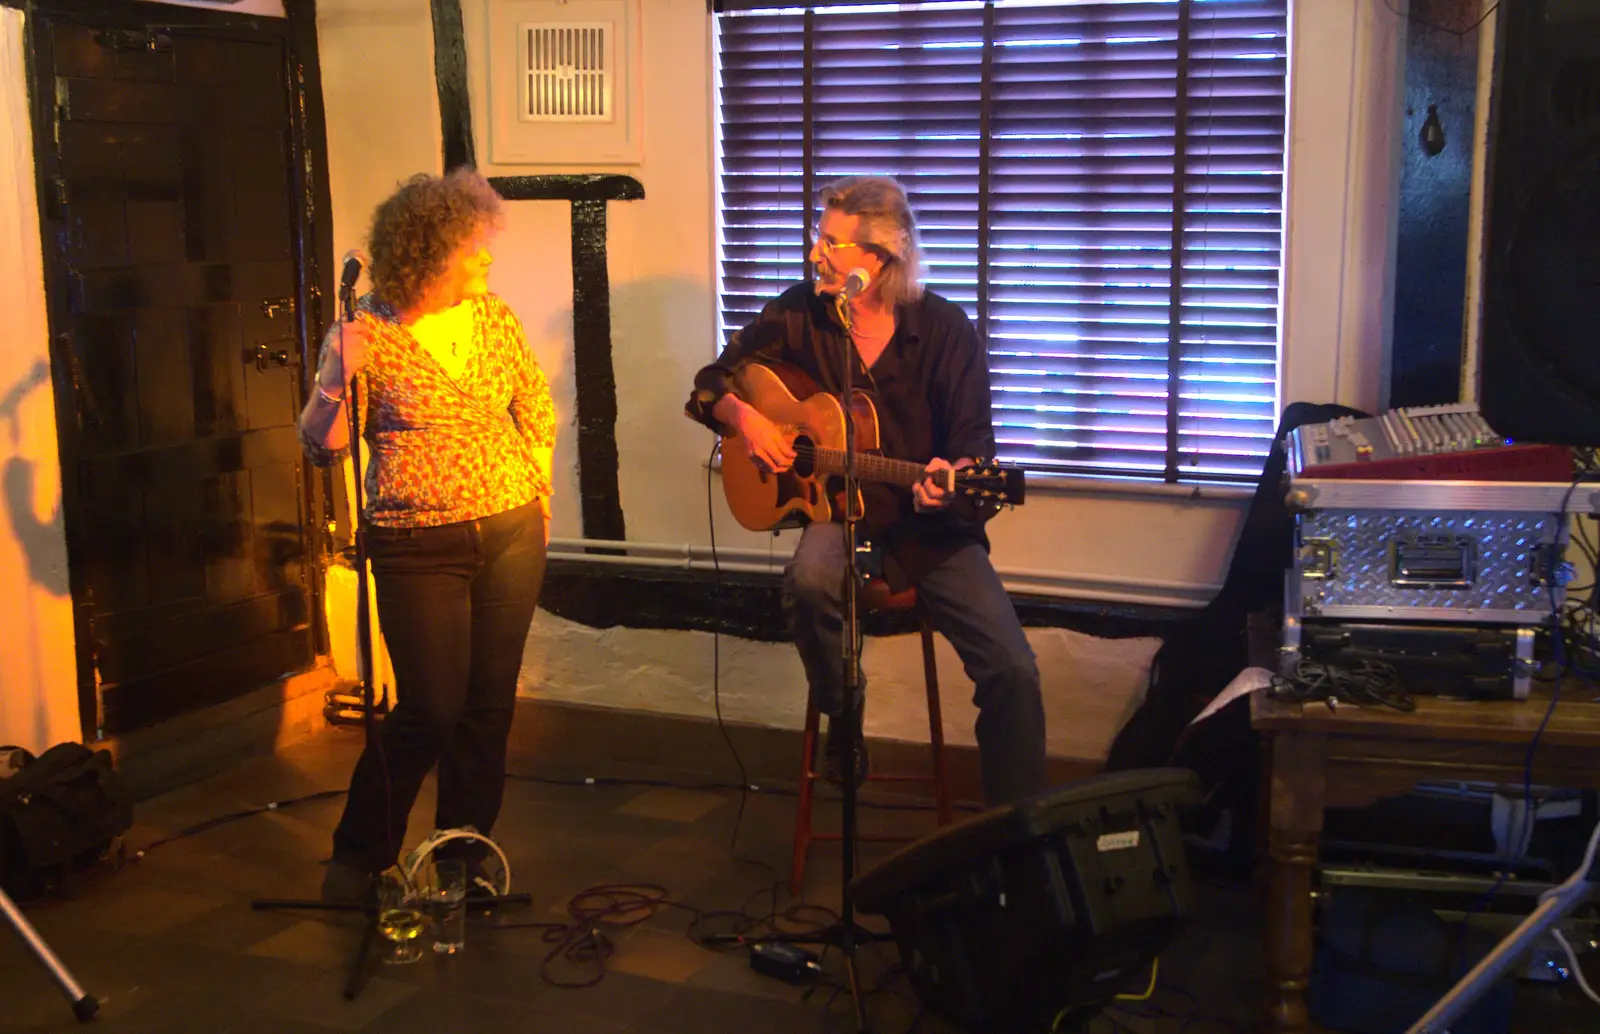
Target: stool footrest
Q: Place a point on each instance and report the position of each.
(875, 838)
(886, 777)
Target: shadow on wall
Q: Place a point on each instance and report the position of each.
(40, 541)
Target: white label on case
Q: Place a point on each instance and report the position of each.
(1117, 841)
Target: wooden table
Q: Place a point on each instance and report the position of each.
(1319, 759)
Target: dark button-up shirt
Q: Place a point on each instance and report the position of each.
(931, 390)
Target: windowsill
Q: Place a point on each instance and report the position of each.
(1049, 483)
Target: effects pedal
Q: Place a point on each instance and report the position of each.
(786, 962)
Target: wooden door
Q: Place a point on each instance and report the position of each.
(177, 275)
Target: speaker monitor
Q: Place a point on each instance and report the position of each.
(1540, 356)
(1041, 911)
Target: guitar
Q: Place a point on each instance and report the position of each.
(813, 423)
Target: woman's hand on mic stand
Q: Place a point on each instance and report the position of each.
(322, 421)
(344, 354)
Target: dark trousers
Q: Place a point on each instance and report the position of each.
(455, 603)
(970, 608)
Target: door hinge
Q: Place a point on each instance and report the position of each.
(57, 197)
(88, 408)
(155, 41)
(270, 307)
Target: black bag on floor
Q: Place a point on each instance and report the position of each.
(59, 812)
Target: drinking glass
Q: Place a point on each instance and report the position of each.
(443, 885)
(399, 917)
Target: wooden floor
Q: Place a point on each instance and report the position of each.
(171, 943)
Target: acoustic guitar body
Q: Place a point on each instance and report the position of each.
(784, 394)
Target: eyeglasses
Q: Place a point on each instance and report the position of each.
(829, 247)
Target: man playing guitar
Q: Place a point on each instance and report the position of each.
(926, 370)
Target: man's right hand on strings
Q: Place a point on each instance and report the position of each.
(763, 442)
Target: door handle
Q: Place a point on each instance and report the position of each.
(266, 357)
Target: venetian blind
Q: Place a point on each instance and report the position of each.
(1099, 184)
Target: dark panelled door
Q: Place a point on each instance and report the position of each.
(171, 243)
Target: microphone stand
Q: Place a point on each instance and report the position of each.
(850, 658)
(845, 934)
(1555, 905)
(84, 1004)
(356, 978)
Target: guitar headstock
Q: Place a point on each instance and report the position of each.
(988, 483)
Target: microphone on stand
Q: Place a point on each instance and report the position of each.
(355, 260)
(855, 283)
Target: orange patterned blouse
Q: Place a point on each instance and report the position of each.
(441, 450)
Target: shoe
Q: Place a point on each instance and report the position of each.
(346, 884)
(837, 764)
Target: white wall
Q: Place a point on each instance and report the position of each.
(38, 667)
(1099, 543)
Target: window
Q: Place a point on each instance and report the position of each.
(1059, 156)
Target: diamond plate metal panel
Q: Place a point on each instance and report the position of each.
(1346, 564)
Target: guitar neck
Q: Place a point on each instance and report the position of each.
(870, 467)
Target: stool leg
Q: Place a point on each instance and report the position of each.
(802, 811)
(930, 675)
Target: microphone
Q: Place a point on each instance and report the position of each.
(355, 260)
(855, 283)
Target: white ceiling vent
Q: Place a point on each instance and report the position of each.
(565, 83)
(570, 72)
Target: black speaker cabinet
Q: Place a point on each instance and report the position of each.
(1539, 376)
(1047, 908)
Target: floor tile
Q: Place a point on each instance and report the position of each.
(311, 943)
(693, 1008)
(149, 911)
(672, 805)
(322, 1001)
(268, 1023)
(670, 958)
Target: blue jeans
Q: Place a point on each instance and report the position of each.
(455, 603)
(970, 608)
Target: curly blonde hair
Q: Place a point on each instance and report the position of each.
(887, 226)
(421, 225)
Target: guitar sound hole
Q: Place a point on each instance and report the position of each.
(805, 463)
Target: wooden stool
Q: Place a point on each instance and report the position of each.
(875, 595)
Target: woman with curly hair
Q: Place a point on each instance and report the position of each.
(459, 427)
